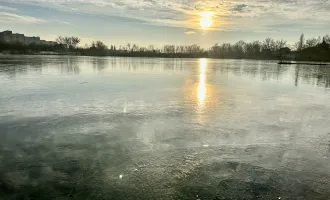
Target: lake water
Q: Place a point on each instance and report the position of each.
(145, 128)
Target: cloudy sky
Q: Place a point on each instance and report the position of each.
(161, 22)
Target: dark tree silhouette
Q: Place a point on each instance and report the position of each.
(69, 42)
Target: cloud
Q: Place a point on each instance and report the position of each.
(239, 8)
(6, 17)
(7, 8)
(189, 32)
(61, 22)
(238, 14)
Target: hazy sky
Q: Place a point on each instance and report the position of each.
(166, 21)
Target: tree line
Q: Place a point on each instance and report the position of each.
(304, 49)
(266, 49)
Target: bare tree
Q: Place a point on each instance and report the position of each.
(268, 44)
(279, 44)
(311, 42)
(69, 42)
(151, 48)
(100, 45)
(301, 43)
(326, 39)
(135, 47)
(74, 42)
(61, 40)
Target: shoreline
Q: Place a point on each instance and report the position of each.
(288, 62)
(303, 63)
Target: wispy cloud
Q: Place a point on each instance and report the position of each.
(6, 17)
(7, 8)
(61, 22)
(189, 32)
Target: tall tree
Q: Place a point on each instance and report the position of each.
(301, 43)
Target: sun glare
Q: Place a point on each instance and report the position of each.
(205, 22)
(206, 19)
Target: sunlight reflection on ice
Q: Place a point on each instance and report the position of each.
(201, 91)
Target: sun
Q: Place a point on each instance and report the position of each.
(205, 22)
(206, 19)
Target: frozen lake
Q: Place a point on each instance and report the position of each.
(145, 128)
